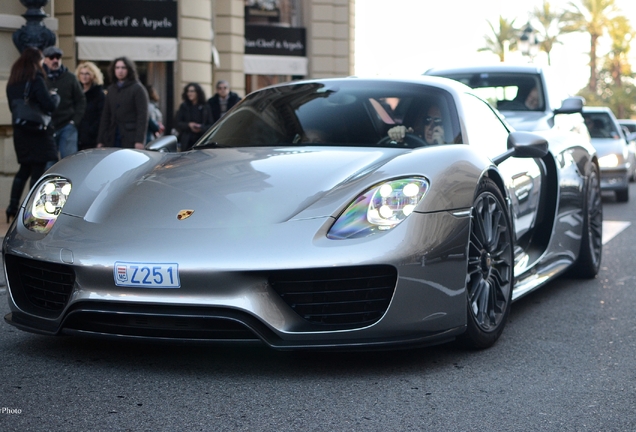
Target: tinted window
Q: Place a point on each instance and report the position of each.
(600, 125)
(345, 113)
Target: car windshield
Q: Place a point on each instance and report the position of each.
(348, 112)
(600, 125)
(506, 91)
(631, 127)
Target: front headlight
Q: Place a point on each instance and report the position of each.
(380, 208)
(609, 161)
(46, 203)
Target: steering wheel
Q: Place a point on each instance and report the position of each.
(409, 140)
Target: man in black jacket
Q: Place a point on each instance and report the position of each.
(70, 111)
(223, 100)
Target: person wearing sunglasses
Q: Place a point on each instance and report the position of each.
(70, 111)
(223, 100)
(429, 126)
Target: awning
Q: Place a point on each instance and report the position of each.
(135, 48)
(274, 65)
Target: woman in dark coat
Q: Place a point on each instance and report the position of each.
(193, 116)
(34, 148)
(92, 80)
(125, 117)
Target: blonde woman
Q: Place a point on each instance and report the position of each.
(92, 81)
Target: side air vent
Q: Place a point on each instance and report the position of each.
(38, 286)
(345, 297)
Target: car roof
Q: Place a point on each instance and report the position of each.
(440, 82)
(494, 68)
(597, 109)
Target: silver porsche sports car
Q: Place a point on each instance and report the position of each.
(339, 213)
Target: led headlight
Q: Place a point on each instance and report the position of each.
(609, 161)
(380, 208)
(46, 203)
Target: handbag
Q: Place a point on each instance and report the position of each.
(29, 115)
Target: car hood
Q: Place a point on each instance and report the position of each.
(224, 187)
(529, 120)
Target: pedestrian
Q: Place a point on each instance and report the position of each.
(223, 100)
(124, 120)
(72, 105)
(33, 148)
(193, 116)
(155, 117)
(92, 81)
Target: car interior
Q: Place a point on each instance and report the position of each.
(600, 126)
(506, 91)
(334, 116)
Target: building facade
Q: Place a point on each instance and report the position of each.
(249, 43)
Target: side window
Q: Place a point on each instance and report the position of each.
(485, 129)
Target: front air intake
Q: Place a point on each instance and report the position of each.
(343, 297)
(39, 287)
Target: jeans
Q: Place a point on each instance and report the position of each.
(65, 141)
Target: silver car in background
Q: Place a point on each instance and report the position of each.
(629, 129)
(612, 149)
(530, 97)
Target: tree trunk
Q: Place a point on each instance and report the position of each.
(593, 75)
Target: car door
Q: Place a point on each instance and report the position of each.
(523, 177)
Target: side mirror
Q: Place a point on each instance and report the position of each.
(166, 143)
(571, 105)
(524, 145)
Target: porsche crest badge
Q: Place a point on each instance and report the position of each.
(184, 214)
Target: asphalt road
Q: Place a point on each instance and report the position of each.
(566, 362)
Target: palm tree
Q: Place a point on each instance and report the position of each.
(501, 40)
(617, 64)
(593, 17)
(621, 33)
(550, 27)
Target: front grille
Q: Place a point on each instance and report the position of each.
(158, 326)
(38, 286)
(163, 321)
(345, 297)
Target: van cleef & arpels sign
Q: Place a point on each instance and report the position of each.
(141, 18)
(271, 40)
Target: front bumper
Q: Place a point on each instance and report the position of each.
(227, 293)
(614, 179)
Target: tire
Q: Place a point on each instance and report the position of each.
(589, 261)
(490, 273)
(622, 195)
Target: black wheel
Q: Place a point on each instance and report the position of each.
(410, 140)
(622, 195)
(490, 268)
(589, 261)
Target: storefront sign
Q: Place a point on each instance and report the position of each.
(269, 40)
(144, 18)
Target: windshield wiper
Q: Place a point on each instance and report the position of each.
(210, 144)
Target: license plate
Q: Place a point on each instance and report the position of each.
(147, 275)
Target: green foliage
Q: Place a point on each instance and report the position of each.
(620, 98)
(501, 39)
(613, 85)
(550, 27)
